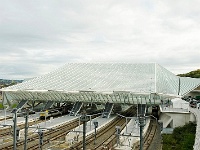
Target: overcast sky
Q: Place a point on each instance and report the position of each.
(38, 36)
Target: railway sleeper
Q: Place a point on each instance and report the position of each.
(110, 142)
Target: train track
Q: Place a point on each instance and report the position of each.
(2, 119)
(102, 135)
(32, 140)
(105, 137)
(149, 135)
(8, 130)
(57, 133)
(157, 140)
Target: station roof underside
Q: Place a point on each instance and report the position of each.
(103, 82)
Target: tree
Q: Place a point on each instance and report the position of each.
(192, 74)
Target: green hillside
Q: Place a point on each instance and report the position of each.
(192, 74)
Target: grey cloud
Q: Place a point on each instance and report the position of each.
(37, 34)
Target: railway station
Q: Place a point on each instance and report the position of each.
(96, 106)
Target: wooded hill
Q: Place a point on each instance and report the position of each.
(192, 74)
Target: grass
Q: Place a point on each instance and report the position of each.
(1, 106)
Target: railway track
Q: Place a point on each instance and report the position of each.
(101, 137)
(105, 137)
(157, 140)
(8, 130)
(149, 136)
(33, 139)
(2, 119)
(57, 133)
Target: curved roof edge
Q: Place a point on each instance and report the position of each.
(109, 77)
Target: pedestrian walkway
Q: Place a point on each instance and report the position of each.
(196, 112)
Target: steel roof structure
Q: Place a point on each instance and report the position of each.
(103, 82)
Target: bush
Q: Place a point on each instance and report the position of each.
(182, 138)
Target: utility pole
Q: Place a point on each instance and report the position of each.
(142, 124)
(95, 131)
(118, 128)
(5, 108)
(84, 119)
(26, 128)
(40, 133)
(14, 129)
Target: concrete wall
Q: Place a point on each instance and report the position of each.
(176, 119)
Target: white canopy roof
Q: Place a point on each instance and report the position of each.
(104, 78)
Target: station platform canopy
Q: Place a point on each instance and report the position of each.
(103, 82)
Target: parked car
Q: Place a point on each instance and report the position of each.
(198, 105)
(193, 104)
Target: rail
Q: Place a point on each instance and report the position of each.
(106, 136)
(33, 138)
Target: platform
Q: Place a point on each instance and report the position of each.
(20, 120)
(2, 114)
(53, 122)
(133, 129)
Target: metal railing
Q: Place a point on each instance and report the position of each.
(196, 112)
